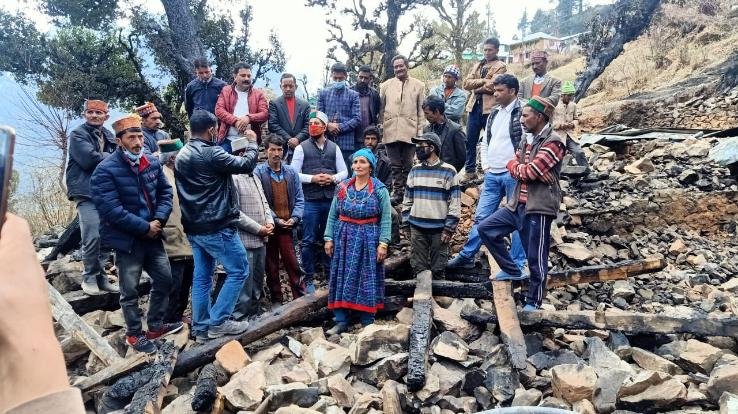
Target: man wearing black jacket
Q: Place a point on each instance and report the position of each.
(89, 144)
(368, 100)
(453, 138)
(289, 116)
(209, 215)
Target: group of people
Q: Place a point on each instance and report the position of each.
(339, 182)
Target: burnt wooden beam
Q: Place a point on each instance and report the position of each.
(148, 398)
(420, 331)
(114, 371)
(441, 288)
(270, 322)
(631, 323)
(75, 326)
(83, 303)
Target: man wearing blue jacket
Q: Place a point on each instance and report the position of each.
(134, 200)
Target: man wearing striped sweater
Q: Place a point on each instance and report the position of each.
(536, 167)
(431, 207)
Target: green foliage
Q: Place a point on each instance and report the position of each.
(523, 23)
(23, 46)
(83, 64)
(92, 14)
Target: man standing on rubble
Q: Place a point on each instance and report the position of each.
(501, 137)
(541, 83)
(481, 100)
(240, 107)
(565, 122)
(89, 144)
(134, 200)
(209, 215)
(202, 92)
(535, 202)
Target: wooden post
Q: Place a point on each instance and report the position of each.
(148, 399)
(281, 317)
(65, 315)
(510, 331)
(420, 331)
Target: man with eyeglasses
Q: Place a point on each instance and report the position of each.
(151, 127)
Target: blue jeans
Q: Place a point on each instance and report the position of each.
(148, 255)
(475, 124)
(494, 187)
(313, 226)
(535, 229)
(226, 247)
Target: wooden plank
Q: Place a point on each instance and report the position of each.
(420, 331)
(510, 331)
(113, 372)
(588, 274)
(440, 288)
(73, 324)
(148, 398)
(615, 271)
(632, 323)
(281, 317)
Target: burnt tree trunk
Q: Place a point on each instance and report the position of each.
(628, 18)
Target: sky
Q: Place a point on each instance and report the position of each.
(303, 30)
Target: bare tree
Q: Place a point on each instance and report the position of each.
(461, 27)
(44, 128)
(382, 36)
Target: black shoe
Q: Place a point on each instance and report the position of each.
(337, 329)
(164, 329)
(141, 343)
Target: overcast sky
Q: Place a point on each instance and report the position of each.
(303, 30)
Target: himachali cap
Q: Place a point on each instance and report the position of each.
(128, 121)
(538, 55)
(542, 105)
(146, 109)
(170, 145)
(452, 70)
(320, 115)
(96, 105)
(567, 88)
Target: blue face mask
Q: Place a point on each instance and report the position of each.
(339, 84)
(133, 157)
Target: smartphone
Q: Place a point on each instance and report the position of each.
(7, 143)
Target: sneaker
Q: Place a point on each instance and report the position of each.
(141, 343)
(91, 288)
(164, 329)
(337, 329)
(502, 276)
(529, 307)
(228, 327)
(460, 262)
(106, 286)
(200, 337)
(468, 176)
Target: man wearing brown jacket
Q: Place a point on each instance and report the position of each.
(481, 100)
(401, 114)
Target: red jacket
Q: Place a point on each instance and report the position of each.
(258, 110)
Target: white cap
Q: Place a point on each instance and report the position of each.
(239, 144)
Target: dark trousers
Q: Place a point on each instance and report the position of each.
(253, 287)
(427, 252)
(474, 126)
(280, 246)
(148, 255)
(313, 226)
(182, 270)
(401, 155)
(535, 232)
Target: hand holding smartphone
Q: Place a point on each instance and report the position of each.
(7, 143)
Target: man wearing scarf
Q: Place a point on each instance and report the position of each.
(369, 101)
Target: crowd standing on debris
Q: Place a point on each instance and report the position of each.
(339, 182)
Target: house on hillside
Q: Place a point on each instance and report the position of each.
(503, 54)
(520, 50)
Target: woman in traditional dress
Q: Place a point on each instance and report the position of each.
(356, 237)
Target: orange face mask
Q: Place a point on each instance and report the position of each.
(316, 130)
